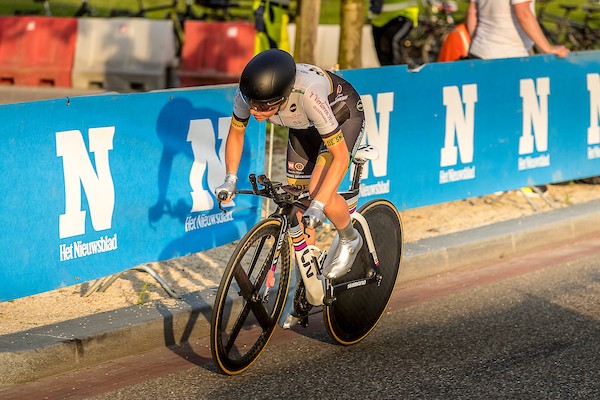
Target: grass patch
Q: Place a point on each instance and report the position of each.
(142, 294)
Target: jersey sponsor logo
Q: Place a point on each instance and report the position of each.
(297, 166)
(359, 105)
(459, 134)
(533, 143)
(238, 124)
(324, 110)
(335, 139)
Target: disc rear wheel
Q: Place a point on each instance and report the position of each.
(357, 310)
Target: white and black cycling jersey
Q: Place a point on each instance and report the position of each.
(321, 104)
(309, 104)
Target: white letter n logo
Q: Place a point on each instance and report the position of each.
(78, 170)
(460, 122)
(535, 115)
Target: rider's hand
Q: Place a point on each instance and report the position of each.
(314, 215)
(226, 191)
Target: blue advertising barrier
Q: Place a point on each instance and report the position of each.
(456, 130)
(99, 184)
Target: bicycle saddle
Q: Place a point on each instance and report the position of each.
(366, 152)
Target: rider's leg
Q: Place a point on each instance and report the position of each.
(347, 241)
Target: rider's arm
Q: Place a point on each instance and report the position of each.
(531, 27)
(233, 154)
(472, 18)
(234, 145)
(235, 138)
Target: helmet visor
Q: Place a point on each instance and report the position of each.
(263, 106)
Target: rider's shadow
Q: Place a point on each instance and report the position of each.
(172, 128)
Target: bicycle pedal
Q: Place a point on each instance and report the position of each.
(303, 321)
(293, 320)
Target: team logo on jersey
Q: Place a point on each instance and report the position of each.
(339, 89)
(359, 105)
(293, 107)
(295, 166)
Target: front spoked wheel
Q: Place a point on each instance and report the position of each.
(250, 298)
(359, 302)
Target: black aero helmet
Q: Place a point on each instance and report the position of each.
(268, 77)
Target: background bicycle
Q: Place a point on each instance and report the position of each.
(575, 26)
(425, 40)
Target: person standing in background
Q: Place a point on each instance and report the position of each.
(392, 21)
(271, 20)
(505, 29)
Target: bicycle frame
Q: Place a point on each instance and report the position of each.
(319, 291)
(245, 315)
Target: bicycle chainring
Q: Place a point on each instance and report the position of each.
(301, 305)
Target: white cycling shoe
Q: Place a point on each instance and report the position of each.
(341, 256)
(290, 321)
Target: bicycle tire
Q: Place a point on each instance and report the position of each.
(237, 338)
(355, 312)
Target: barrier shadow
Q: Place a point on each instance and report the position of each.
(181, 346)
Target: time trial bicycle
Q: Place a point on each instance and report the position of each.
(254, 287)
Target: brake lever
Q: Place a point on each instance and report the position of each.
(220, 198)
(252, 178)
(304, 221)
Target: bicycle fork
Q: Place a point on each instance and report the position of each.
(308, 266)
(307, 292)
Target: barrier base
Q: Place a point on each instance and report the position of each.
(120, 81)
(100, 285)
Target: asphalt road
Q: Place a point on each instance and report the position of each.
(526, 328)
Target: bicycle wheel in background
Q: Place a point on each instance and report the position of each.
(244, 317)
(356, 311)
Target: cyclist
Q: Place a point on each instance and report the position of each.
(326, 120)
